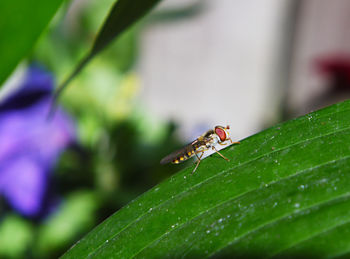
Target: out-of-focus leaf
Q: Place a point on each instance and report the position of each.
(21, 23)
(122, 15)
(76, 214)
(16, 235)
(284, 191)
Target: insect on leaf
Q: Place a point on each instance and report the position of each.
(284, 192)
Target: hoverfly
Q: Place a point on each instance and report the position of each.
(205, 142)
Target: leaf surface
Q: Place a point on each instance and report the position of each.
(284, 192)
(21, 23)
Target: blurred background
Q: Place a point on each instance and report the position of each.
(186, 67)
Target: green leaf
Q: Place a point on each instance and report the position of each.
(284, 191)
(67, 223)
(123, 14)
(21, 23)
(16, 235)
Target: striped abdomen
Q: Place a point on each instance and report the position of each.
(181, 155)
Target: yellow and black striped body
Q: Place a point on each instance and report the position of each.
(184, 153)
(207, 141)
(187, 152)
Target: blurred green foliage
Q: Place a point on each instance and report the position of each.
(120, 143)
(15, 236)
(21, 23)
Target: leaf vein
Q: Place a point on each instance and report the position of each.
(239, 196)
(223, 172)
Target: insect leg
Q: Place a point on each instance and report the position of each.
(199, 160)
(224, 144)
(220, 154)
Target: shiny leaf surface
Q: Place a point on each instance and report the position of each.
(285, 192)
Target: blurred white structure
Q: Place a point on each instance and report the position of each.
(216, 67)
(322, 31)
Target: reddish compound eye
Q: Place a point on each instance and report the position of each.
(221, 133)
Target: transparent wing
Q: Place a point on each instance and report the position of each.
(177, 154)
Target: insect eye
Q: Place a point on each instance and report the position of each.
(221, 133)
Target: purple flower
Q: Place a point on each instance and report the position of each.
(30, 144)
